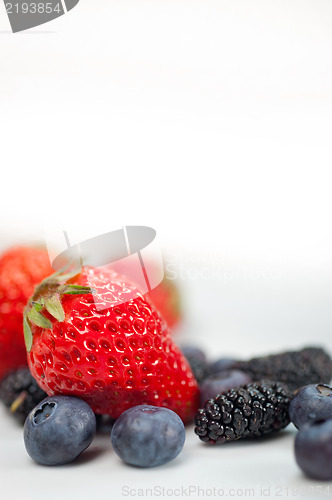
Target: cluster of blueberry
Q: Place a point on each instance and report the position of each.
(60, 428)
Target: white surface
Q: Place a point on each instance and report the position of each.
(210, 121)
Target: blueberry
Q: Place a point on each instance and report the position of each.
(313, 450)
(311, 403)
(222, 382)
(190, 351)
(58, 429)
(222, 365)
(104, 424)
(147, 436)
(197, 361)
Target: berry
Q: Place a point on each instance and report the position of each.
(295, 369)
(166, 299)
(313, 450)
(310, 404)
(223, 364)
(191, 351)
(249, 411)
(20, 392)
(83, 341)
(21, 268)
(104, 424)
(147, 436)
(197, 361)
(58, 429)
(222, 382)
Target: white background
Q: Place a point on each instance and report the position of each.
(211, 122)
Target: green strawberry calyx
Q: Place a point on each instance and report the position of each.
(47, 297)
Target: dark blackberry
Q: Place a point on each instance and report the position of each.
(248, 411)
(311, 365)
(19, 392)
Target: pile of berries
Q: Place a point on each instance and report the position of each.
(253, 409)
(97, 346)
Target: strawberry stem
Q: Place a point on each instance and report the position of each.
(47, 296)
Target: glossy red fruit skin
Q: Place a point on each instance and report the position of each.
(21, 269)
(113, 358)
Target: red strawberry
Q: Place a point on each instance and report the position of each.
(165, 296)
(21, 268)
(113, 358)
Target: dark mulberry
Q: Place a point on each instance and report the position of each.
(19, 392)
(248, 411)
(311, 365)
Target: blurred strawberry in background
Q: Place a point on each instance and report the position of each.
(166, 298)
(21, 269)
